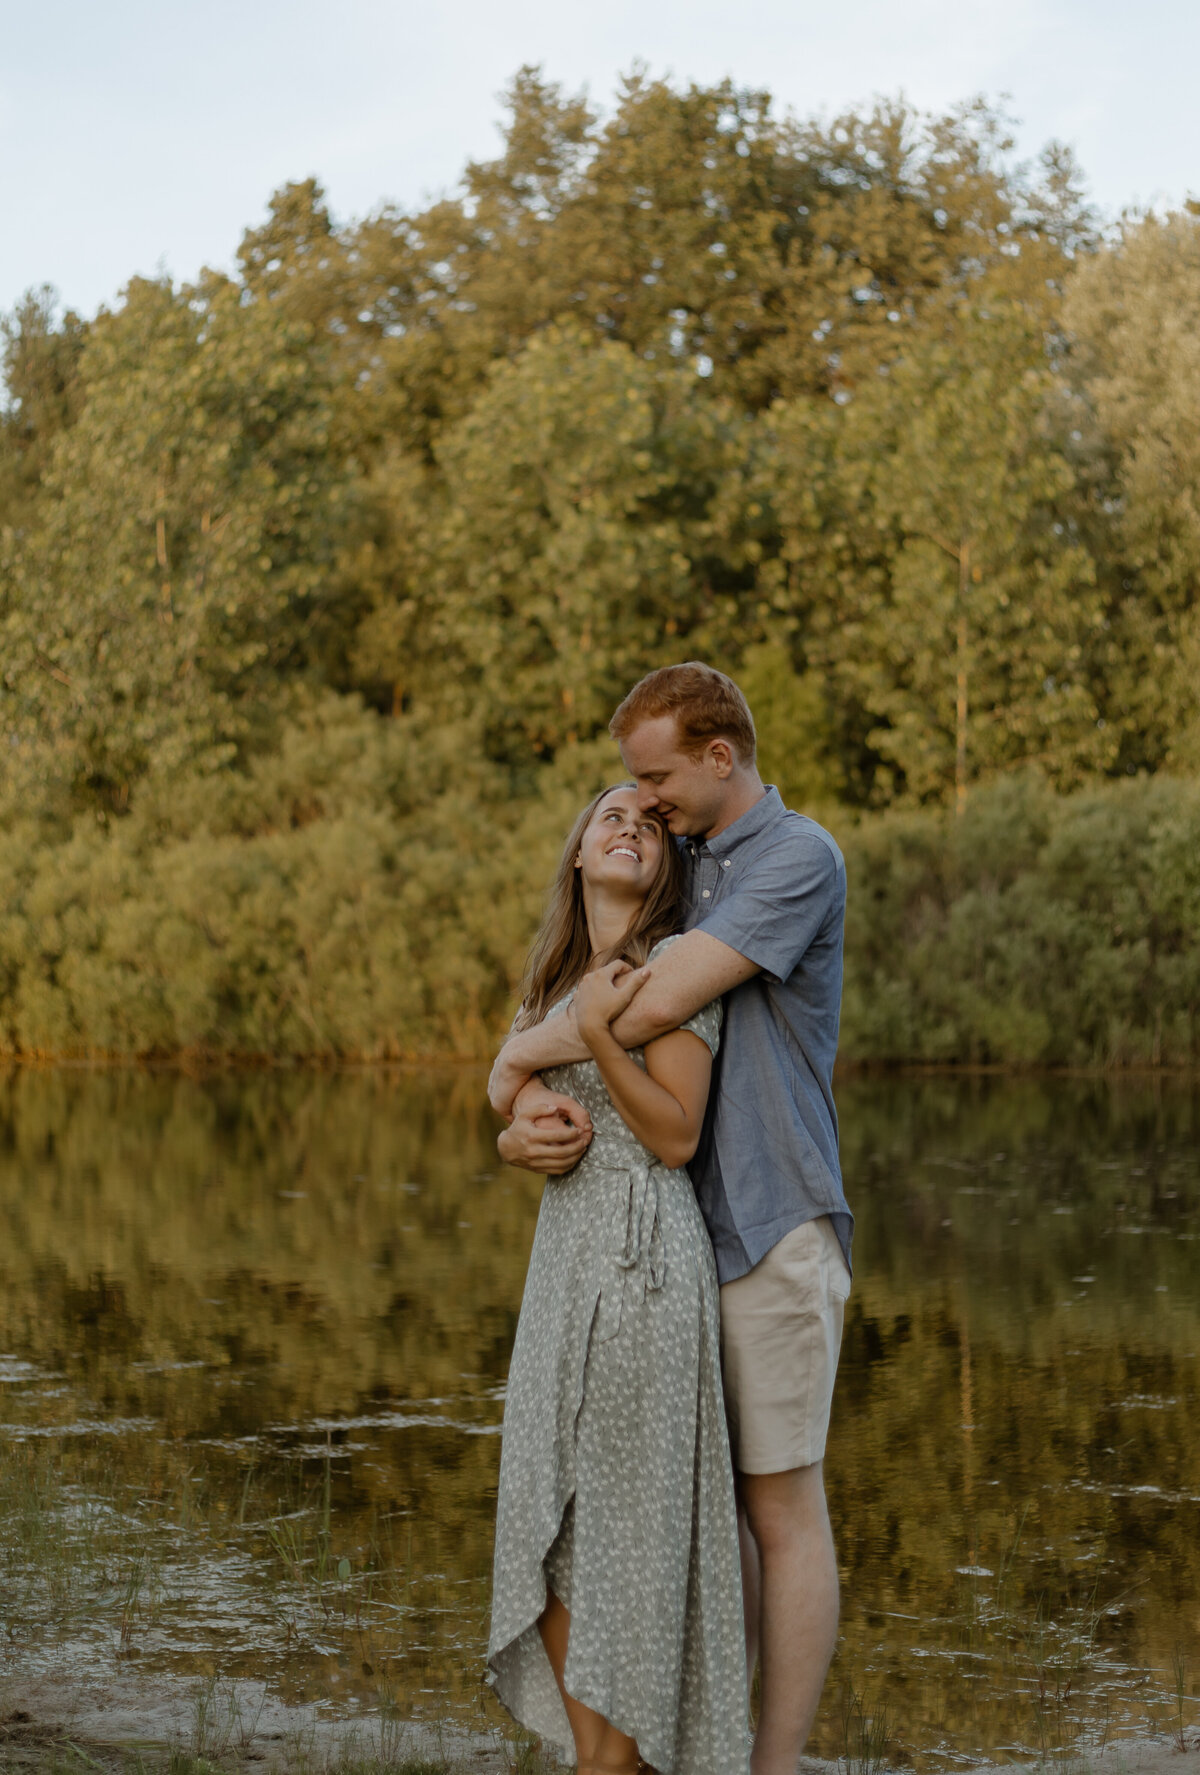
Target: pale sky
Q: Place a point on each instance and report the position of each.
(144, 135)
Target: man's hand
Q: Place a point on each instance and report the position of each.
(603, 994)
(549, 1133)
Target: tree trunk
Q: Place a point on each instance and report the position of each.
(961, 680)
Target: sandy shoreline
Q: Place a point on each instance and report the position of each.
(221, 1723)
(227, 1725)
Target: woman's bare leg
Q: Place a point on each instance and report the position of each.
(599, 1747)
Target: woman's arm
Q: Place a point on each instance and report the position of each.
(663, 1106)
(694, 970)
(549, 1132)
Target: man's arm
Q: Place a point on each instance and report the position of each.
(549, 1132)
(692, 972)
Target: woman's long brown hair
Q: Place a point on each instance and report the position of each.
(562, 950)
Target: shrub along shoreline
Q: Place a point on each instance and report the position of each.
(322, 909)
(1037, 930)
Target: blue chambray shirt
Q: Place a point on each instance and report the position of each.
(772, 886)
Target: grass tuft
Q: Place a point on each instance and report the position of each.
(865, 1736)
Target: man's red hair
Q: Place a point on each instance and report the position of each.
(705, 703)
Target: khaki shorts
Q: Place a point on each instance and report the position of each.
(781, 1331)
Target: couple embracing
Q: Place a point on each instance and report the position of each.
(661, 1524)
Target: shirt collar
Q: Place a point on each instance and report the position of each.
(757, 819)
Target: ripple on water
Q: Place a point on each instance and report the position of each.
(257, 1330)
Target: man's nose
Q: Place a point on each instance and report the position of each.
(647, 798)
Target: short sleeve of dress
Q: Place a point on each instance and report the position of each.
(707, 1021)
(707, 1024)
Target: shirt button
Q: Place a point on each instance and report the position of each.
(705, 894)
(725, 864)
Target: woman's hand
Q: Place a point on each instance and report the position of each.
(602, 995)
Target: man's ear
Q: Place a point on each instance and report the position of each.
(721, 753)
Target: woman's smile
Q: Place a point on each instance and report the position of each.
(620, 831)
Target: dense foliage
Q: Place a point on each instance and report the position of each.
(1037, 928)
(318, 582)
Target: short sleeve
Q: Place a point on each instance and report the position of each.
(707, 1024)
(707, 1021)
(778, 902)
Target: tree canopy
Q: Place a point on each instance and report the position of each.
(354, 549)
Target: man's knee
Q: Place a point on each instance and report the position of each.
(781, 1508)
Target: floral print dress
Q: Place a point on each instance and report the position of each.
(616, 1488)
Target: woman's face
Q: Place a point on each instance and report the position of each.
(621, 849)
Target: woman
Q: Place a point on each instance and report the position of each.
(617, 1611)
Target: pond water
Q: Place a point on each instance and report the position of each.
(253, 1340)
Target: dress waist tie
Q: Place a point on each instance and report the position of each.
(639, 1255)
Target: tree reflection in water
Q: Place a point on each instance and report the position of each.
(260, 1324)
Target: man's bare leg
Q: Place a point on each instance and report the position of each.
(599, 1747)
(798, 1607)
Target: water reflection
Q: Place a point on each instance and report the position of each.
(258, 1327)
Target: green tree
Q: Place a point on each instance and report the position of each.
(315, 573)
(185, 556)
(796, 747)
(934, 510)
(39, 360)
(562, 547)
(698, 226)
(1133, 317)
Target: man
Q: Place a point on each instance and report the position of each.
(767, 890)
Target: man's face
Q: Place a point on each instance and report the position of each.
(687, 792)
